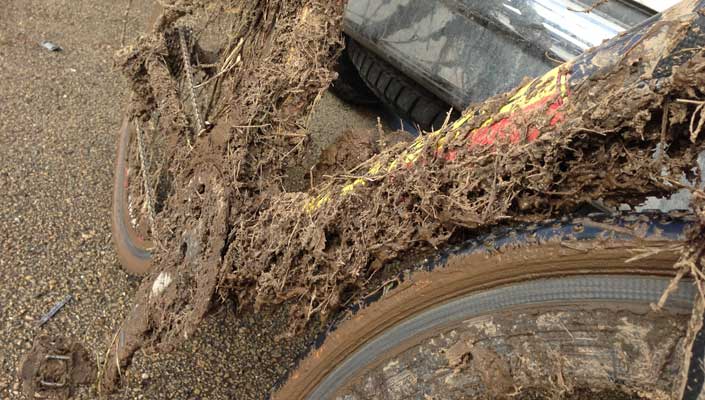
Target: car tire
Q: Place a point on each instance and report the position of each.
(348, 86)
(399, 93)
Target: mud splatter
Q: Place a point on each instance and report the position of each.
(354, 147)
(519, 356)
(54, 367)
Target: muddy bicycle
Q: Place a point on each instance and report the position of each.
(543, 308)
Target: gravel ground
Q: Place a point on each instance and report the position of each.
(58, 118)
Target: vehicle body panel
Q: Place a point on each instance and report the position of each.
(465, 51)
(658, 5)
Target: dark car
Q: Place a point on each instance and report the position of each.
(425, 58)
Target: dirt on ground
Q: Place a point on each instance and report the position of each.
(54, 367)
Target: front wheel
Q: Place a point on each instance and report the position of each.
(547, 314)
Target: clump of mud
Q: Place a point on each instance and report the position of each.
(352, 148)
(229, 230)
(54, 367)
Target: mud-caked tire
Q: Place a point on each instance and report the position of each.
(553, 309)
(132, 249)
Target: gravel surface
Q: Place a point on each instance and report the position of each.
(59, 113)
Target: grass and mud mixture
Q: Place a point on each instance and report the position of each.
(226, 228)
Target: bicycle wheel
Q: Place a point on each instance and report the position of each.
(565, 311)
